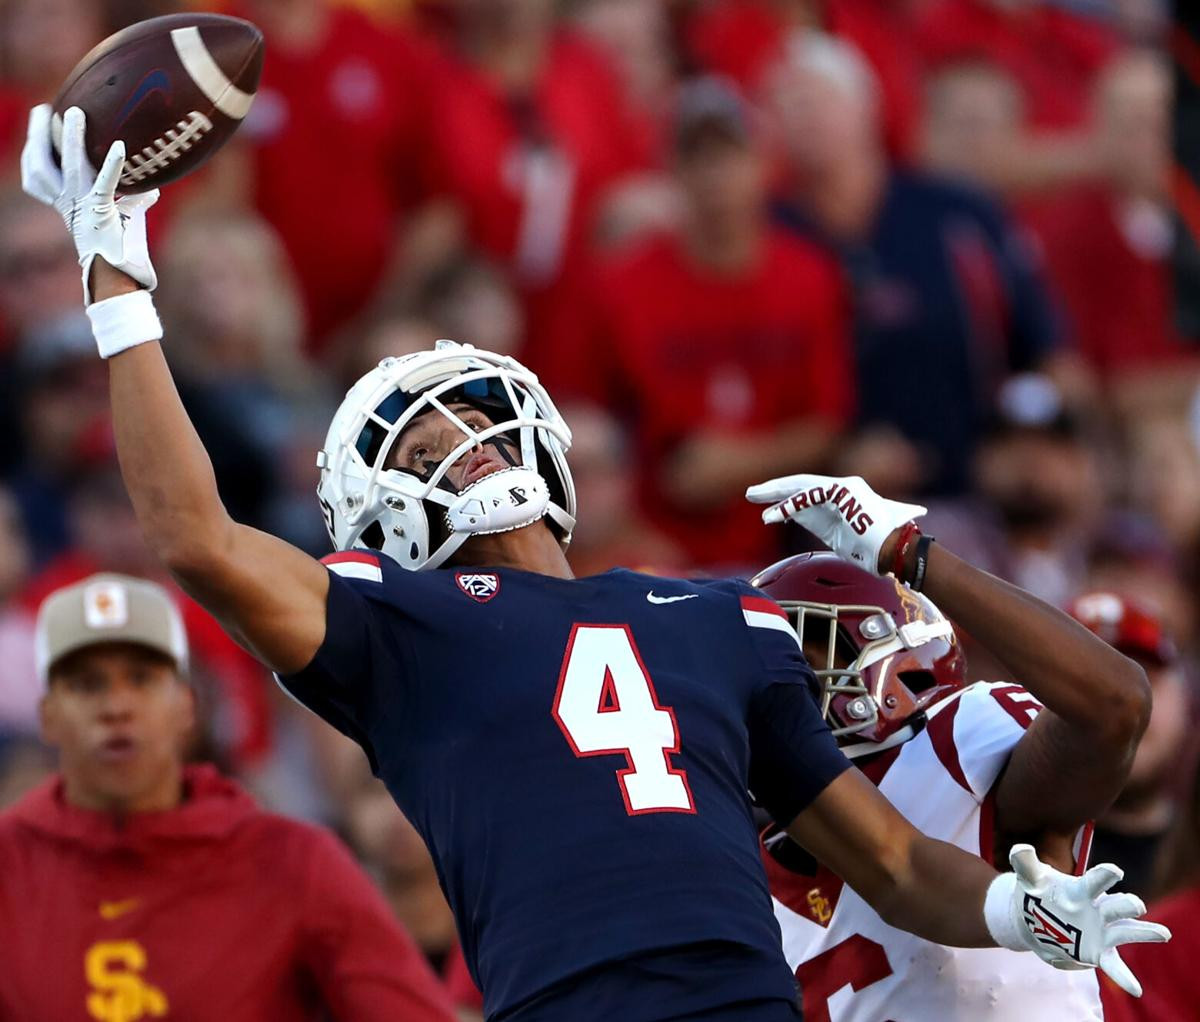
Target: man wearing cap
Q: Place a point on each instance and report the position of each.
(727, 336)
(137, 887)
(1132, 830)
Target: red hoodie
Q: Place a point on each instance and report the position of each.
(212, 912)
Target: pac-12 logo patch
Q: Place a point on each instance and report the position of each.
(480, 586)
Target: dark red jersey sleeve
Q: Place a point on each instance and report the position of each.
(365, 966)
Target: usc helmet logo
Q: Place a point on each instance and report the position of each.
(119, 994)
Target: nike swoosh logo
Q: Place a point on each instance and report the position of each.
(114, 909)
(153, 81)
(669, 599)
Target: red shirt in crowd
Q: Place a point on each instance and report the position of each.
(528, 170)
(690, 350)
(214, 910)
(1052, 52)
(739, 38)
(1110, 263)
(335, 133)
(1167, 972)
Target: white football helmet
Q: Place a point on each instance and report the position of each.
(420, 520)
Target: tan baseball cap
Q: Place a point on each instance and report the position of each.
(108, 608)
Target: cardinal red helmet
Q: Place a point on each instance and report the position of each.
(881, 652)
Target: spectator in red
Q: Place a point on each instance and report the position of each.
(948, 296)
(530, 131)
(1170, 981)
(724, 341)
(741, 38)
(613, 533)
(163, 891)
(337, 115)
(1108, 248)
(1052, 51)
(1133, 829)
(40, 41)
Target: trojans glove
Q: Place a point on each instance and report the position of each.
(1065, 920)
(100, 223)
(844, 513)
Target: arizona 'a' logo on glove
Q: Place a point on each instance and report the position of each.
(843, 512)
(1068, 921)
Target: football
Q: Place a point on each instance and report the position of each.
(174, 89)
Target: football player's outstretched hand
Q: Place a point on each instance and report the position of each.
(1066, 920)
(844, 513)
(100, 223)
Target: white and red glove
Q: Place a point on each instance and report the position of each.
(843, 512)
(100, 224)
(1066, 920)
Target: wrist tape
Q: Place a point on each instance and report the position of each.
(124, 322)
(999, 916)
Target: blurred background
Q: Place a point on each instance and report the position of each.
(931, 242)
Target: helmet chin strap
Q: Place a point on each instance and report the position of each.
(501, 501)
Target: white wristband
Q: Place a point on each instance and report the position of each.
(999, 916)
(124, 322)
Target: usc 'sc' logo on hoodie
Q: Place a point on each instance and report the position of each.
(119, 994)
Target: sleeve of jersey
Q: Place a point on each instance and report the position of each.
(337, 684)
(974, 735)
(793, 755)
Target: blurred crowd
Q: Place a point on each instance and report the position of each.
(923, 241)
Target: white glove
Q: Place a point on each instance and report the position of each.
(1066, 920)
(844, 513)
(100, 223)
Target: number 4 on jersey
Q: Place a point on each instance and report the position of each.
(606, 706)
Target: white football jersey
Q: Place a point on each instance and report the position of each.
(854, 967)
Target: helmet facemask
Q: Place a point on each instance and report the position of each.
(867, 685)
(416, 516)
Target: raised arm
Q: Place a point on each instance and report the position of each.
(268, 595)
(1076, 755)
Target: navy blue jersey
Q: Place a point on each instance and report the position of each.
(576, 755)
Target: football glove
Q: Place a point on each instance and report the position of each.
(844, 513)
(1066, 920)
(100, 223)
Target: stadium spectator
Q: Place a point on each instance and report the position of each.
(1108, 248)
(614, 533)
(230, 299)
(1054, 52)
(40, 41)
(1132, 554)
(162, 888)
(39, 286)
(529, 133)
(948, 299)
(338, 114)
(105, 537)
(39, 276)
(1171, 982)
(18, 691)
(742, 38)
(58, 400)
(725, 342)
(1132, 830)
(974, 128)
(1039, 474)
